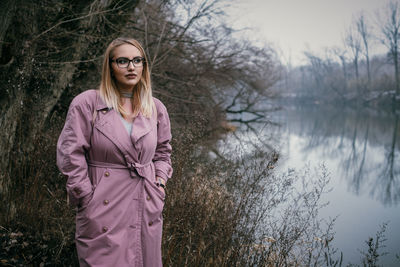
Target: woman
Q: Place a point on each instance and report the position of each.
(115, 152)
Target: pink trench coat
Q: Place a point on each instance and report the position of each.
(111, 177)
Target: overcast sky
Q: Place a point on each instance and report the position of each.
(294, 26)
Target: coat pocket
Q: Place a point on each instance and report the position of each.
(84, 202)
(154, 202)
(96, 178)
(157, 190)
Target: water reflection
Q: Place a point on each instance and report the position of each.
(390, 171)
(364, 142)
(361, 151)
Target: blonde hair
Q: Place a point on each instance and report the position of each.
(142, 93)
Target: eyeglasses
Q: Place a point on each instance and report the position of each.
(123, 62)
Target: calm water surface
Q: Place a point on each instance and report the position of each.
(361, 151)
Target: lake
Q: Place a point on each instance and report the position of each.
(360, 149)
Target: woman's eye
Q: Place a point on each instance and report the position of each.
(137, 60)
(122, 60)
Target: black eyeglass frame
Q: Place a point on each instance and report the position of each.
(143, 60)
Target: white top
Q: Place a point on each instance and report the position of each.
(128, 125)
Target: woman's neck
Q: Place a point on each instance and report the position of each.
(126, 94)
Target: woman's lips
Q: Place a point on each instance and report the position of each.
(130, 76)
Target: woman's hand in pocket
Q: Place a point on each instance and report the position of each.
(84, 201)
(161, 184)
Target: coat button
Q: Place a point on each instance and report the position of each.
(106, 202)
(148, 197)
(107, 174)
(150, 223)
(105, 229)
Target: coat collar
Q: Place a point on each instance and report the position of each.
(140, 127)
(100, 105)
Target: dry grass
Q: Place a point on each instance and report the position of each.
(226, 210)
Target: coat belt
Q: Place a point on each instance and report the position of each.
(136, 169)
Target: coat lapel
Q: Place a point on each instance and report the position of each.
(110, 126)
(141, 126)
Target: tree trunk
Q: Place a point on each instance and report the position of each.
(356, 68)
(368, 67)
(396, 75)
(45, 50)
(343, 60)
(7, 10)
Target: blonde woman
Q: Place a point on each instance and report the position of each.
(115, 151)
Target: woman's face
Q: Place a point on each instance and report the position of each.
(126, 77)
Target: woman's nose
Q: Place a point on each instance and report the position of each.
(130, 65)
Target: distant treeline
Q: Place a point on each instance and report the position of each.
(350, 73)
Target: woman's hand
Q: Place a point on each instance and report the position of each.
(84, 201)
(161, 184)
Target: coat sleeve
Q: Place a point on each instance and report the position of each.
(72, 145)
(162, 156)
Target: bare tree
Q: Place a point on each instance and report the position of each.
(389, 24)
(317, 68)
(342, 55)
(365, 34)
(352, 41)
(208, 63)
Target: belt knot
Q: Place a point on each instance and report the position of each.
(137, 168)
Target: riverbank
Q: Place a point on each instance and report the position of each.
(359, 148)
